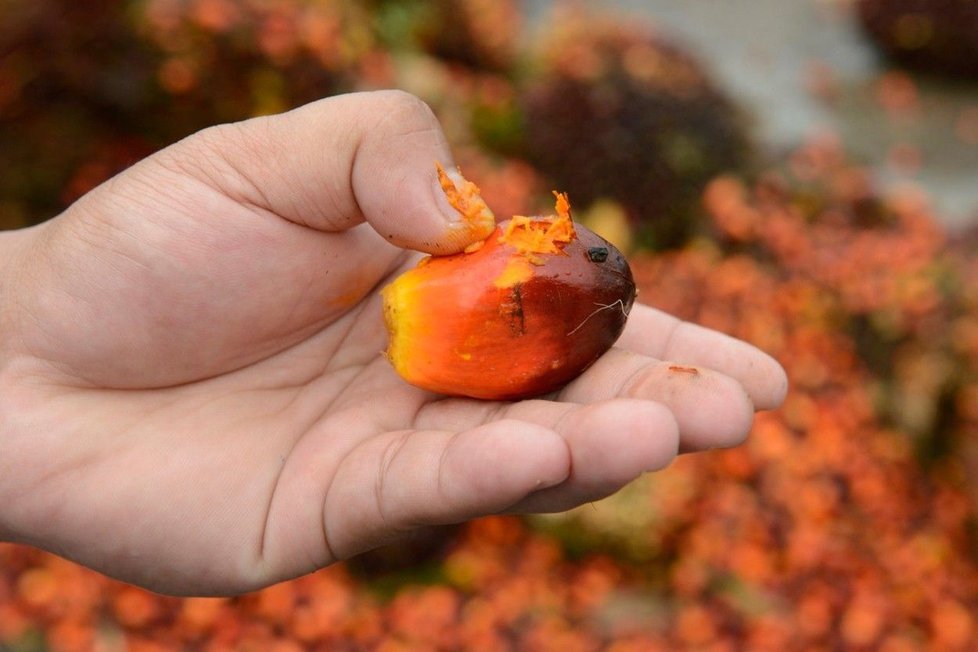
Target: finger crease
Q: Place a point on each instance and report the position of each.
(387, 458)
(440, 482)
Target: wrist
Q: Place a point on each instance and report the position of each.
(14, 254)
(14, 247)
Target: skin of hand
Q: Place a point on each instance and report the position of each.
(192, 393)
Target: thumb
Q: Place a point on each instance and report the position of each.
(338, 162)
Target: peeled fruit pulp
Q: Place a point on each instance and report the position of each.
(521, 314)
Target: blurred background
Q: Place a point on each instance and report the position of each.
(798, 173)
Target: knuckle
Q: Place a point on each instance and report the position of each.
(403, 103)
(404, 114)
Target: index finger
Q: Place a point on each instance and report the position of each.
(657, 334)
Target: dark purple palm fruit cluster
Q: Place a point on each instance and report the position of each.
(70, 77)
(88, 88)
(616, 111)
(479, 34)
(936, 36)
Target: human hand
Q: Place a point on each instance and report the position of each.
(192, 391)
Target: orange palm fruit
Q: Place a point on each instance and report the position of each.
(518, 314)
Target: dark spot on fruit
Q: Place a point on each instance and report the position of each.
(597, 254)
(513, 311)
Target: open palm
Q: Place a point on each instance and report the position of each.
(193, 396)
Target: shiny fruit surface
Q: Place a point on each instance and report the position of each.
(521, 315)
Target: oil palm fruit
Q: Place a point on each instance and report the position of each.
(518, 314)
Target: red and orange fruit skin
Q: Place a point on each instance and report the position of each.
(515, 318)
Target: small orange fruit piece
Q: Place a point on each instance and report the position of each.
(520, 315)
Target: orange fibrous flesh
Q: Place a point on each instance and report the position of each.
(534, 235)
(532, 238)
(478, 220)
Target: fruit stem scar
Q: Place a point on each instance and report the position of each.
(597, 254)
